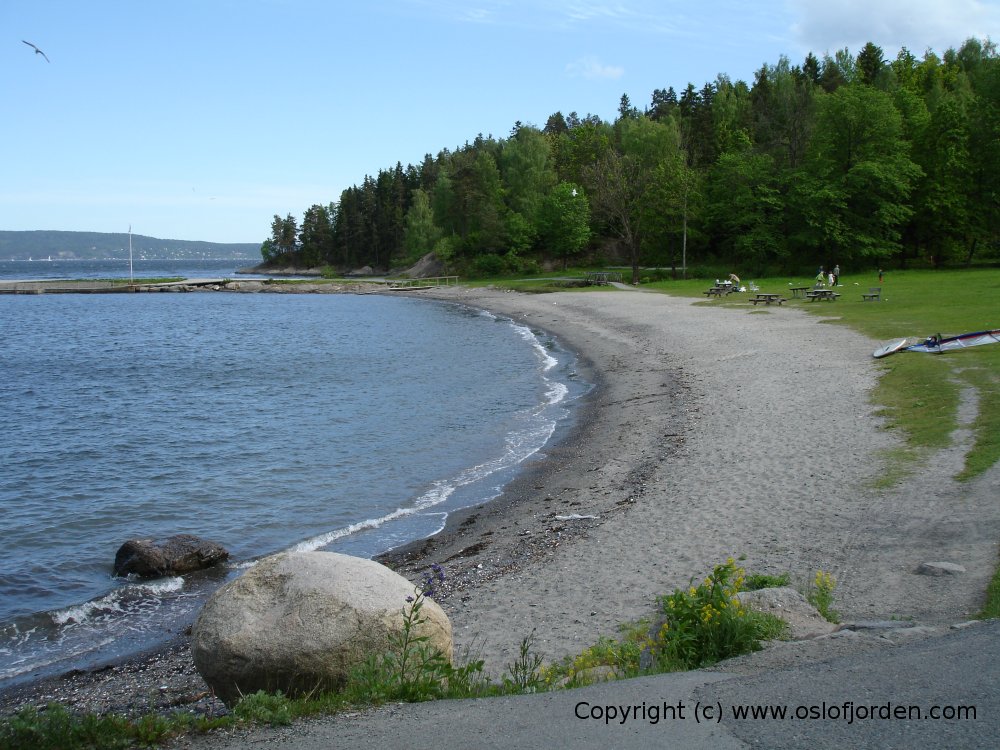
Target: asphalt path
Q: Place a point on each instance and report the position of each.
(939, 692)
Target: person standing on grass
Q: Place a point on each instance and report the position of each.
(836, 275)
(820, 277)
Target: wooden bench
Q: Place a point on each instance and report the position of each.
(767, 299)
(718, 291)
(874, 294)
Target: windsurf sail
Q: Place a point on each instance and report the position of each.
(937, 343)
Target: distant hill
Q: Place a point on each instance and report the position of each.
(88, 245)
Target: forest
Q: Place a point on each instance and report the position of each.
(847, 159)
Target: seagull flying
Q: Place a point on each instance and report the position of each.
(37, 51)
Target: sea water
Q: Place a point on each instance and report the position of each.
(264, 422)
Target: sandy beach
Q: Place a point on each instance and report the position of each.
(717, 431)
(712, 431)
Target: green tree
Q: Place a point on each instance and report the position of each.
(731, 115)
(421, 234)
(268, 251)
(853, 192)
(580, 147)
(528, 171)
(942, 217)
(625, 109)
(663, 207)
(870, 64)
(984, 144)
(564, 221)
(316, 237)
(284, 235)
(784, 110)
(746, 210)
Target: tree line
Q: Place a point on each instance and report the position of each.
(848, 159)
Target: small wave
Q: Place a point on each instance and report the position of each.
(556, 391)
(117, 601)
(519, 445)
(27, 665)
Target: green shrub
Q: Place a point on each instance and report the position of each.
(820, 595)
(707, 623)
(524, 675)
(756, 581)
(621, 656)
(489, 265)
(56, 728)
(411, 669)
(265, 708)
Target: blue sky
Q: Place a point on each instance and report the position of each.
(201, 119)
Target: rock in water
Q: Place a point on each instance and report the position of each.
(175, 555)
(300, 621)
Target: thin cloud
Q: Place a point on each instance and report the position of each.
(916, 24)
(594, 69)
(561, 15)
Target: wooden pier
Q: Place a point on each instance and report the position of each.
(112, 286)
(429, 282)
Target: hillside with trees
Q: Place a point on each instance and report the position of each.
(849, 159)
(21, 245)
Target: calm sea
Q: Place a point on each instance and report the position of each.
(264, 422)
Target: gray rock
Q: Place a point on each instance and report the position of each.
(300, 621)
(878, 625)
(788, 604)
(175, 555)
(940, 569)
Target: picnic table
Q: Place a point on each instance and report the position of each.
(719, 291)
(799, 291)
(828, 294)
(601, 278)
(767, 299)
(721, 288)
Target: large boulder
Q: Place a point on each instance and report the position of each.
(175, 555)
(804, 620)
(429, 265)
(300, 621)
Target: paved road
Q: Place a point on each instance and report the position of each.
(696, 709)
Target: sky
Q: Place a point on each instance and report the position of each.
(202, 119)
